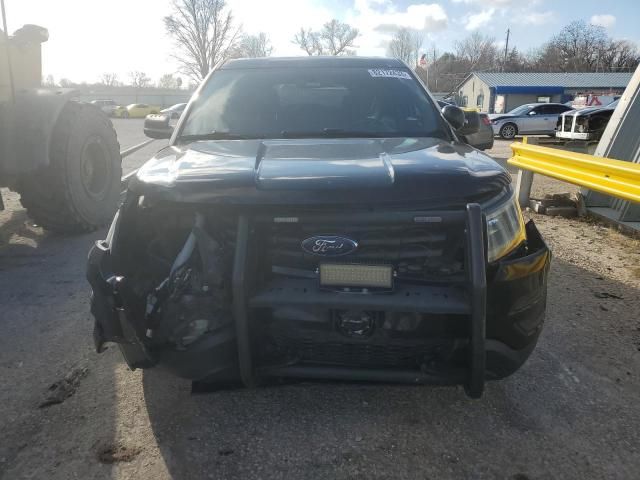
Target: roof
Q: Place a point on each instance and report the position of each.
(566, 80)
(314, 61)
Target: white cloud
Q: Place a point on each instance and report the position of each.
(280, 19)
(378, 19)
(533, 18)
(83, 50)
(489, 3)
(605, 20)
(477, 20)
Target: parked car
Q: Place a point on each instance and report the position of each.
(107, 106)
(136, 110)
(320, 217)
(531, 118)
(483, 138)
(175, 110)
(586, 123)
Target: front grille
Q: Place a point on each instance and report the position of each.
(370, 355)
(418, 252)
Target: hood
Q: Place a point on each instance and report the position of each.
(587, 111)
(321, 171)
(499, 116)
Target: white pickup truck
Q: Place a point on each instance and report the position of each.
(584, 124)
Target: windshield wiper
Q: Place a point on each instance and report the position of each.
(218, 136)
(333, 133)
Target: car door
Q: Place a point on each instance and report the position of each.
(532, 122)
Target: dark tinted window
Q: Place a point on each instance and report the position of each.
(554, 109)
(281, 102)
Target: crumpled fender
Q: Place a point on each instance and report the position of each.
(111, 303)
(26, 128)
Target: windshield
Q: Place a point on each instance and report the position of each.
(521, 110)
(313, 102)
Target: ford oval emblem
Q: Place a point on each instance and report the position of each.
(329, 245)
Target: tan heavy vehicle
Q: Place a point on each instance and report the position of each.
(60, 155)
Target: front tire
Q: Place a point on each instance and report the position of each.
(508, 131)
(79, 190)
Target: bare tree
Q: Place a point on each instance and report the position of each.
(515, 61)
(478, 51)
(49, 81)
(335, 38)
(109, 79)
(339, 37)
(308, 41)
(254, 46)
(405, 45)
(205, 33)
(139, 79)
(619, 55)
(580, 47)
(168, 81)
(576, 47)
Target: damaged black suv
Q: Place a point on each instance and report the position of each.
(320, 218)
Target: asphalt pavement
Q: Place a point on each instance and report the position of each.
(130, 133)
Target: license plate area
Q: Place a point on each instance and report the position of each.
(356, 276)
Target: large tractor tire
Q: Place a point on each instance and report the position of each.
(80, 189)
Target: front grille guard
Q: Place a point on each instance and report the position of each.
(473, 378)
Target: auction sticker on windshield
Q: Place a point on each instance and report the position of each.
(380, 72)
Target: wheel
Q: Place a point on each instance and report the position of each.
(508, 131)
(79, 190)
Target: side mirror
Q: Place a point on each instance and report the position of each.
(157, 126)
(453, 115)
(532, 112)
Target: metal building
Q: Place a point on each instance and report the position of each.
(501, 92)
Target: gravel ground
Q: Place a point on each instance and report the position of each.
(570, 412)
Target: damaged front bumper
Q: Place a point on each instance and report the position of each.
(500, 308)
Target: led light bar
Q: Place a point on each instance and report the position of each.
(345, 275)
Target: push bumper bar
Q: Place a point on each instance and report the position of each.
(471, 302)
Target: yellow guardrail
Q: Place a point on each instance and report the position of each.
(605, 175)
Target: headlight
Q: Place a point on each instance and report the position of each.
(505, 229)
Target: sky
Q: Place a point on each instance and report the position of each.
(90, 37)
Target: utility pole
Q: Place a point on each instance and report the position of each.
(506, 49)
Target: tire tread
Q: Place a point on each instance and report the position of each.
(46, 194)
